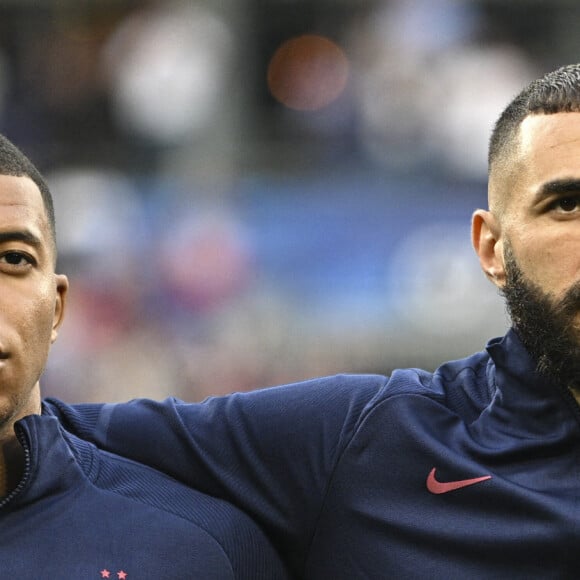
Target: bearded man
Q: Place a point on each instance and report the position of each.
(472, 471)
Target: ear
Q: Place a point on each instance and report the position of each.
(59, 307)
(488, 244)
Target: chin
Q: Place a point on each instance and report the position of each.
(15, 407)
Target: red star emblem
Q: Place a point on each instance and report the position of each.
(121, 575)
(105, 574)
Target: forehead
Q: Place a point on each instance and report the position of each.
(549, 146)
(21, 205)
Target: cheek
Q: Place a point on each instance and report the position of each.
(554, 264)
(38, 319)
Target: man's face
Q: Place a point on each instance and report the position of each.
(529, 243)
(541, 219)
(31, 298)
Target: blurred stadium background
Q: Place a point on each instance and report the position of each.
(253, 192)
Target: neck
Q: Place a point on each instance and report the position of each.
(11, 465)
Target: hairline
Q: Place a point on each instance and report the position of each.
(503, 170)
(556, 92)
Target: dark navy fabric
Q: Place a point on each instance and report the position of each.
(472, 471)
(84, 513)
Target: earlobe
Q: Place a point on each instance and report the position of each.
(488, 244)
(59, 308)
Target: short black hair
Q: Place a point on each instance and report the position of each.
(556, 92)
(14, 162)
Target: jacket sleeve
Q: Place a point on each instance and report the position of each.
(271, 452)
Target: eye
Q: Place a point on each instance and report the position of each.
(567, 204)
(16, 259)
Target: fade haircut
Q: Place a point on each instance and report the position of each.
(556, 92)
(14, 162)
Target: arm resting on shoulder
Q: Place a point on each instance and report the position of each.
(271, 452)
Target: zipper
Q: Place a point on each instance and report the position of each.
(25, 475)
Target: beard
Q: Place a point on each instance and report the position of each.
(546, 326)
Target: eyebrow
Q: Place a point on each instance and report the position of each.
(20, 236)
(559, 187)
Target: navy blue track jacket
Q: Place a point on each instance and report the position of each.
(81, 513)
(472, 471)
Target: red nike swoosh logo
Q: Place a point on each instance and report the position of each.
(438, 487)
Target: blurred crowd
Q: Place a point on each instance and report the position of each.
(250, 193)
